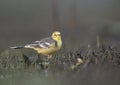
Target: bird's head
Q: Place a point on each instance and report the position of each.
(56, 36)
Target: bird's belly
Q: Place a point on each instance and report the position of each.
(47, 51)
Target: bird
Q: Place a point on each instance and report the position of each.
(46, 46)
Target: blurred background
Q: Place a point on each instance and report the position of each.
(80, 21)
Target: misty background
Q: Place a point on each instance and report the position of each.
(80, 21)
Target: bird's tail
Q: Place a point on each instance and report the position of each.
(17, 47)
(26, 46)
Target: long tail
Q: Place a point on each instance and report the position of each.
(17, 47)
(26, 46)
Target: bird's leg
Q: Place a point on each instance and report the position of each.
(40, 61)
(45, 63)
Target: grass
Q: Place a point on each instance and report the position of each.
(101, 65)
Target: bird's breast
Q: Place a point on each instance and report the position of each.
(59, 44)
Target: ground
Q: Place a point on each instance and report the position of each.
(100, 65)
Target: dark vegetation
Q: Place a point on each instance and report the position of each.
(101, 65)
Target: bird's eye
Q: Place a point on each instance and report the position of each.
(55, 34)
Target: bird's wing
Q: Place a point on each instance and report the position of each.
(45, 43)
